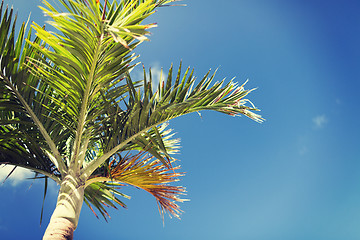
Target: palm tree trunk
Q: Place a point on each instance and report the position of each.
(66, 215)
(59, 229)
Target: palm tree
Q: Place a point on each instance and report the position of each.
(71, 112)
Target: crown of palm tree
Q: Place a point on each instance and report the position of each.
(68, 104)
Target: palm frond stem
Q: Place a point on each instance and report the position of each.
(78, 147)
(92, 166)
(97, 179)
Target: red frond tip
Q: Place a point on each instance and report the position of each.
(93, 211)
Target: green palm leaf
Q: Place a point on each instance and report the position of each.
(22, 143)
(172, 99)
(103, 194)
(90, 64)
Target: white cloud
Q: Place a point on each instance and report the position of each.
(18, 176)
(320, 121)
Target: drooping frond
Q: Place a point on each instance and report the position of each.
(18, 148)
(148, 173)
(23, 138)
(25, 134)
(103, 194)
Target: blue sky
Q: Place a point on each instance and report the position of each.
(295, 176)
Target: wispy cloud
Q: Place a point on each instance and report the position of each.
(21, 175)
(156, 74)
(303, 150)
(18, 176)
(320, 121)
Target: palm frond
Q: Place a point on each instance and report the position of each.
(143, 171)
(18, 148)
(85, 62)
(146, 172)
(22, 140)
(173, 98)
(103, 194)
